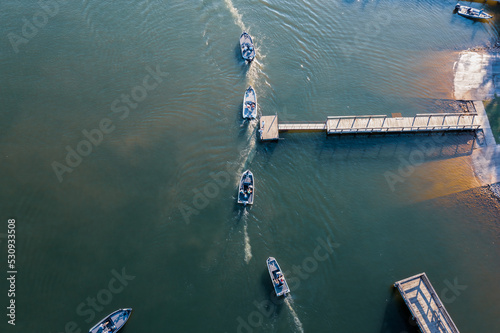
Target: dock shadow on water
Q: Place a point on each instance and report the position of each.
(397, 317)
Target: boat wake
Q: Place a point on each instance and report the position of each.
(248, 151)
(255, 69)
(296, 320)
(248, 247)
(236, 15)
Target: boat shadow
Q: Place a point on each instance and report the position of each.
(272, 304)
(240, 211)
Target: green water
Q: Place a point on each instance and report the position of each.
(155, 196)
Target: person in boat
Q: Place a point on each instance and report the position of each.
(468, 10)
(104, 328)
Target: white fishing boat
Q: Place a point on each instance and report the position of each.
(113, 322)
(277, 277)
(250, 104)
(472, 13)
(247, 48)
(246, 190)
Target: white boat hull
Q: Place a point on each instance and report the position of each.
(277, 278)
(113, 322)
(472, 13)
(246, 190)
(246, 47)
(249, 104)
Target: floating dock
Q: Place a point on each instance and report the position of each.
(425, 305)
(435, 122)
(268, 128)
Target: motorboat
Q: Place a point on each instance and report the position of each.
(246, 190)
(249, 104)
(472, 13)
(277, 277)
(113, 322)
(247, 48)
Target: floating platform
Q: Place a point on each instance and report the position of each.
(268, 128)
(425, 305)
(435, 122)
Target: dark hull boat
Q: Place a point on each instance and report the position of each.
(246, 191)
(250, 104)
(472, 13)
(113, 322)
(246, 45)
(277, 277)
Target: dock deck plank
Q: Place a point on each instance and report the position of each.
(418, 123)
(268, 128)
(438, 122)
(425, 305)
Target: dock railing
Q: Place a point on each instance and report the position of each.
(448, 327)
(418, 123)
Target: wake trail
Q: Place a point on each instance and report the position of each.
(248, 247)
(247, 154)
(236, 15)
(296, 320)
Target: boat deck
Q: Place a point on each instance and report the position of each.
(425, 305)
(274, 267)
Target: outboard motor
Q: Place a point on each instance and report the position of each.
(457, 6)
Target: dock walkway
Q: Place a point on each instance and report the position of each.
(435, 122)
(425, 305)
(419, 123)
(312, 126)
